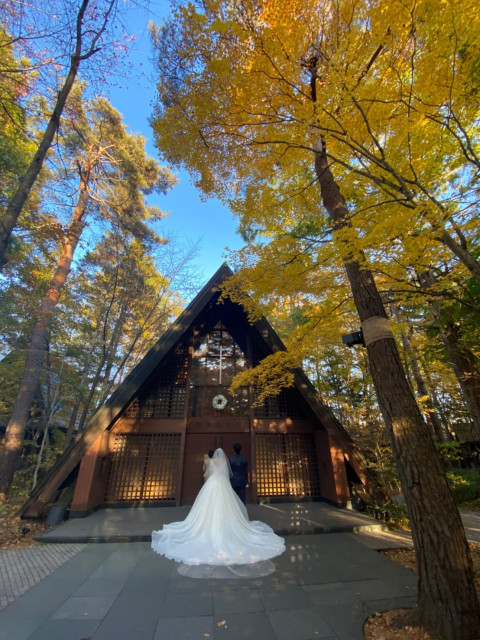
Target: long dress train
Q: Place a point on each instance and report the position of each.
(217, 530)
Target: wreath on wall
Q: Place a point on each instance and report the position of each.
(219, 402)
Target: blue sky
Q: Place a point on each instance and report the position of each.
(210, 222)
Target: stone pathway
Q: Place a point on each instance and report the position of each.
(323, 586)
(22, 569)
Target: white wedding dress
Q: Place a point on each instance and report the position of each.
(217, 530)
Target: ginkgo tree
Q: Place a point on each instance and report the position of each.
(14, 143)
(280, 108)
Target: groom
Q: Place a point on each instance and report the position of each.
(239, 479)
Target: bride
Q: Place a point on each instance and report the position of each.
(217, 530)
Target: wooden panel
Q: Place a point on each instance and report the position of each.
(148, 425)
(332, 470)
(90, 484)
(218, 425)
(283, 425)
(196, 446)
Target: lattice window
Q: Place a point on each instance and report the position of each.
(133, 410)
(163, 395)
(257, 355)
(286, 465)
(144, 467)
(216, 359)
(285, 405)
(270, 465)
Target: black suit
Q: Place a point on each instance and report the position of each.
(239, 479)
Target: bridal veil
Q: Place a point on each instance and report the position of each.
(217, 530)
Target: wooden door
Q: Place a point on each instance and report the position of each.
(196, 446)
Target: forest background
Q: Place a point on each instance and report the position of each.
(127, 282)
(96, 335)
(343, 137)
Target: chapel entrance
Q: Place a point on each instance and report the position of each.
(196, 446)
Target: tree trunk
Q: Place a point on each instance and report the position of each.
(106, 356)
(72, 421)
(465, 366)
(464, 362)
(80, 392)
(127, 354)
(432, 417)
(447, 601)
(15, 429)
(40, 454)
(93, 387)
(436, 402)
(113, 345)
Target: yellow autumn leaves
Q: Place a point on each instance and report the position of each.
(391, 88)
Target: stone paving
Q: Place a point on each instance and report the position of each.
(137, 523)
(22, 569)
(323, 586)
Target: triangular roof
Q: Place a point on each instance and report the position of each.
(119, 400)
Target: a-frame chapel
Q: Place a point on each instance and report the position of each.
(146, 444)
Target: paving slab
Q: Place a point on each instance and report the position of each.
(65, 629)
(471, 522)
(247, 601)
(84, 608)
(185, 628)
(243, 626)
(131, 617)
(300, 624)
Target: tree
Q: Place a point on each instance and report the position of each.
(90, 25)
(14, 144)
(434, 420)
(259, 103)
(128, 303)
(412, 447)
(114, 175)
(458, 329)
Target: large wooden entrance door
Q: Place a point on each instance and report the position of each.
(196, 446)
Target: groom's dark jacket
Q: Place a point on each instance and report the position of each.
(239, 465)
